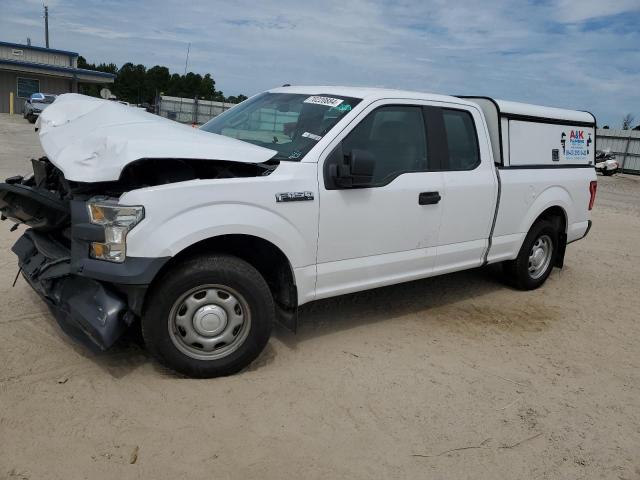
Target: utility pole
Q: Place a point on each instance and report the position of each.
(46, 25)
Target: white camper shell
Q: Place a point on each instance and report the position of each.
(524, 135)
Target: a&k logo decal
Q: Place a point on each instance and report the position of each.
(576, 144)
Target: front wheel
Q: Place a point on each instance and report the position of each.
(208, 317)
(536, 258)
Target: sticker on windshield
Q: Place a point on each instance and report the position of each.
(345, 107)
(326, 101)
(312, 136)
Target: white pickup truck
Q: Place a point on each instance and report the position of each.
(207, 236)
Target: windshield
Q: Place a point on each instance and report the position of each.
(46, 99)
(289, 123)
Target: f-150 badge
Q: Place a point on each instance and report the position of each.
(294, 196)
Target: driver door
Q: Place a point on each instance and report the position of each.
(386, 231)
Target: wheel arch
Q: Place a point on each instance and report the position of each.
(266, 257)
(553, 200)
(557, 215)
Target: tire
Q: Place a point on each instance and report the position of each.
(608, 173)
(208, 317)
(522, 272)
(31, 118)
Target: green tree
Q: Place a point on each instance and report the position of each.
(156, 82)
(136, 84)
(236, 99)
(174, 88)
(82, 63)
(107, 68)
(207, 88)
(130, 83)
(93, 89)
(191, 84)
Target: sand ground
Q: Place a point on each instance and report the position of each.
(448, 378)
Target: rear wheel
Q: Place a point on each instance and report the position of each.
(536, 258)
(210, 316)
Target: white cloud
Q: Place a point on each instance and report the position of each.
(580, 10)
(547, 52)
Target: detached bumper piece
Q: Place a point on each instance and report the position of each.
(83, 307)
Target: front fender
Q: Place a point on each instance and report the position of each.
(170, 236)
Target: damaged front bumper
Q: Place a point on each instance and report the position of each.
(93, 301)
(84, 308)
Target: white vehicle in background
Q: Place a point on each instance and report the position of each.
(207, 236)
(606, 163)
(35, 104)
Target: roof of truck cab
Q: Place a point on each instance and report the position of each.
(369, 93)
(506, 106)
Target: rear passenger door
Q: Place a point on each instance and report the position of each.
(470, 187)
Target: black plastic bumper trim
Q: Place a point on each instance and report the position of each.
(133, 271)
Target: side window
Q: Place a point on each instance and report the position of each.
(395, 136)
(462, 140)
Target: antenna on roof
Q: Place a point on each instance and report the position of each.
(46, 25)
(186, 62)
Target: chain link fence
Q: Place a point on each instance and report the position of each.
(190, 110)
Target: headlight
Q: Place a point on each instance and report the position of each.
(116, 220)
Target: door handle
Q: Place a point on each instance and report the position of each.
(429, 198)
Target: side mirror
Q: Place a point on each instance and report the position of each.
(356, 171)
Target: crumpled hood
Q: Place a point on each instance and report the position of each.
(92, 140)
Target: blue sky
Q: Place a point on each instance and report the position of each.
(582, 54)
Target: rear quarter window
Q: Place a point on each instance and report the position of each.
(462, 140)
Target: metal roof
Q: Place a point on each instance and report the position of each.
(40, 49)
(55, 68)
